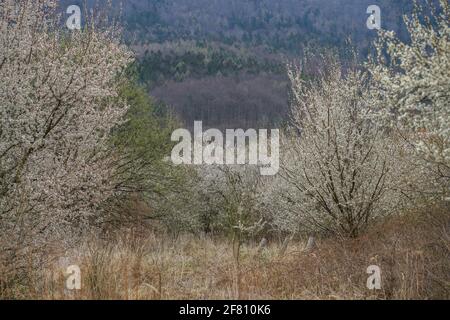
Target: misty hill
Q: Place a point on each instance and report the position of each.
(211, 59)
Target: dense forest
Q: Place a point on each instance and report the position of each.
(211, 60)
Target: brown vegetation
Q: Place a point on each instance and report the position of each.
(413, 254)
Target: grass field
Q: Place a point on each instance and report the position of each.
(413, 254)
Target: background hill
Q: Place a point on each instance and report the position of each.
(223, 61)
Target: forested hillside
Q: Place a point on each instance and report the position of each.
(211, 59)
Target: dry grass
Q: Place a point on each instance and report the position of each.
(413, 253)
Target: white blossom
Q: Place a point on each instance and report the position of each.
(413, 83)
(56, 111)
(339, 170)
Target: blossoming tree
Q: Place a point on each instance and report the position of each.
(57, 89)
(413, 85)
(338, 166)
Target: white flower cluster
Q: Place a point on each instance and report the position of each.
(56, 110)
(338, 169)
(413, 81)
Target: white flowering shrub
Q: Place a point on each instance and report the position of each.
(234, 193)
(339, 170)
(56, 112)
(413, 84)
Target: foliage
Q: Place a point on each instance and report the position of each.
(340, 171)
(148, 190)
(182, 60)
(55, 118)
(413, 84)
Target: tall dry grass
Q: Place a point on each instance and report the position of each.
(412, 251)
